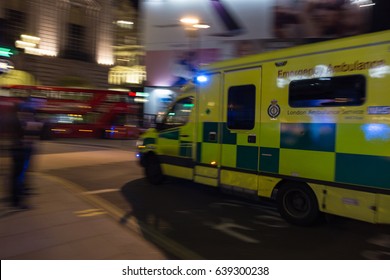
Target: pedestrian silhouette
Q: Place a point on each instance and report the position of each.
(22, 129)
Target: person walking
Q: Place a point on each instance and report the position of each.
(23, 129)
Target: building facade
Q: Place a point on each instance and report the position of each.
(63, 42)
(129, 54)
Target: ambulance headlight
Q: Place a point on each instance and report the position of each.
(140, 144)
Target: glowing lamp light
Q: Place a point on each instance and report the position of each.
(30, 39)
(189, 20)
(22, 44)
(201, 25)
(124, 22)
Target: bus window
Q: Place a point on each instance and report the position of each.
(5, 92)
(125, 120)
(62, 118)
(118, 98)
(91, 117)
(328, 92)
(19, 93)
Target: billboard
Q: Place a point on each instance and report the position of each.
(228, 20)
(237, 28)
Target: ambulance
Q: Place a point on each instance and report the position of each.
(307, 126)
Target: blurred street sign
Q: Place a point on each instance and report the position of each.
(6, 52)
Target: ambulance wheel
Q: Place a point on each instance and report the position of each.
(298, 204)
(153, 170)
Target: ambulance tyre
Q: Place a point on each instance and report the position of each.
(153, 170)
(297, 204)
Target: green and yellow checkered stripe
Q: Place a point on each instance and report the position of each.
(318, 151)
(184, 148)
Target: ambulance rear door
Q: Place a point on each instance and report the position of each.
(240, 130)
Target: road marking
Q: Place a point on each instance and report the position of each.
(221, 204)
(376, 255)
(89, 212)
(271, 221)
(111, 209)
(228, 228)
(102, 191)
(383, 241)
(256, 205)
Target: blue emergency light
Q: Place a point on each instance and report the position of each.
(201, 79)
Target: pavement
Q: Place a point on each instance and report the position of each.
(65, 224)
(128, 145)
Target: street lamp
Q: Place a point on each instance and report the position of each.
(191, 23)
(201, 26)
(189, 20)
(193, 26)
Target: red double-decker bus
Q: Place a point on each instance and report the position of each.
(80, 112)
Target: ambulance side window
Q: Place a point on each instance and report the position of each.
(179, 113)
(241, 107)
(328, 92)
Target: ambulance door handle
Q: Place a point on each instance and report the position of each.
(251, 138)
(212, 136)
(184, 135)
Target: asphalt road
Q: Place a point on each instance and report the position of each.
(191, 221)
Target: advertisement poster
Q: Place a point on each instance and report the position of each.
(237, 28)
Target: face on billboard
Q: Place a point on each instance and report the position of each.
(320, 18)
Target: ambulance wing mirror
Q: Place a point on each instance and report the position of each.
(160, 121)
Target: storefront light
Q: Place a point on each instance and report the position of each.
(140, 100)
(125, 23)
(22, 44)
(30, 39)
(40, 52)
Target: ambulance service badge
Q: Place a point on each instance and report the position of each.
(274, 109)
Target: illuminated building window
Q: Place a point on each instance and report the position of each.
(120, 75)
(76, 35)
(15, 24)
(75, 43)
(125, 24)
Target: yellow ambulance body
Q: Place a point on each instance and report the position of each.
(308, 126)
